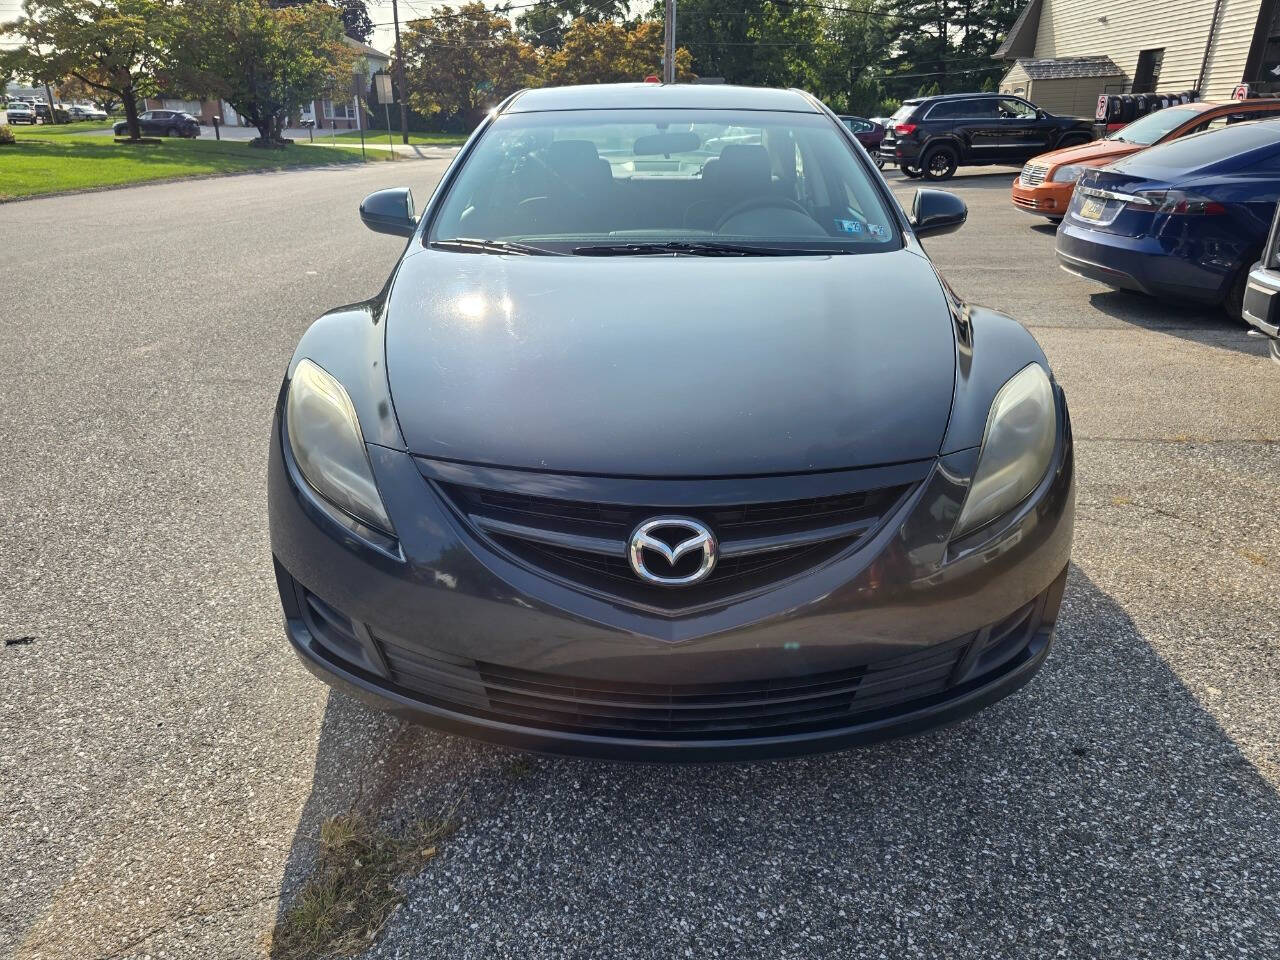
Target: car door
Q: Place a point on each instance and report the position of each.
(1025, 132)
(977, 125)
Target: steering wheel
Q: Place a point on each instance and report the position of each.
(758, 203)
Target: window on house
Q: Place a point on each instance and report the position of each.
(340, 111)
(1147, 76)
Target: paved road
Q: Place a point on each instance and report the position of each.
(164, 763)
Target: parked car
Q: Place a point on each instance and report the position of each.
(869, 134)
(1261, 307)
(162, 123)
(1045, 185)
(932, 136)
(19, 112)
(60, 114)
(85, 112)
(1183, 220)
(669, 462)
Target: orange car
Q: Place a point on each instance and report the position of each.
(1046, 182)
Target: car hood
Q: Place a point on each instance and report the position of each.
(670, 366)
(1094, 152)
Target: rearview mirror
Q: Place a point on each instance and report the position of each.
(678, 141)
(935, 212)
(390, 211)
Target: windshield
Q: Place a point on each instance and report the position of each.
(630, 180)
(1153, 126)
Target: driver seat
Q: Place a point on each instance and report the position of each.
(742, 172)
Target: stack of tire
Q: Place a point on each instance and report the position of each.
(1126, 107)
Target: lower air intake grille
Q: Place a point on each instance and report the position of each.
(712, 710)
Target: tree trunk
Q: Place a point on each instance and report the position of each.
(131, 112)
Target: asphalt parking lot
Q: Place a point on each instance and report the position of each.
(165, 763)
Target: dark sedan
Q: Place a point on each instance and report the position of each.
(162, 123)
(868, 132)
(1183, 220)
(661, 450)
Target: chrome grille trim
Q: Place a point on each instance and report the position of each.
(1033, 174)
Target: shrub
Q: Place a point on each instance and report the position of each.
(6, 133)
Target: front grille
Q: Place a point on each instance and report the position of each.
(1033, 174)
(585, 543)
(773, 706)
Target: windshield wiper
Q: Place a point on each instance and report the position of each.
(472, 245)
(698, 248)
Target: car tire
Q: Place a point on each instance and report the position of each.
(1054, 220)
(1233, 305)
(940, 163)
(909, 171)
(1072, 140)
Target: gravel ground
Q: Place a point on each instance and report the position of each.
(164, 763)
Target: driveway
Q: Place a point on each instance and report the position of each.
(166, 764)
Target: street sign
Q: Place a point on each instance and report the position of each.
(383, 81)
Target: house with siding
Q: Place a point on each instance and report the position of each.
(1158, 46)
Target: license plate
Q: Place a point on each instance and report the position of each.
(1092, 209)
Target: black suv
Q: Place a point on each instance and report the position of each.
(931, 136)
(164, 123)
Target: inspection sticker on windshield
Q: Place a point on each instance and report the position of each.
(849, 226)
(878, 230)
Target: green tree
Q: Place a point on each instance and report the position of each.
(846, 61)
(462, 61)
(356, 21)
(119, 47)
(265, 61)
(545, 25)
(755, 42)
(610, 52)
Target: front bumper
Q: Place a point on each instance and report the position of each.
(904, 633)
(1262, 305)
(1047, 200)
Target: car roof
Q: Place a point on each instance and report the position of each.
(640, 96)
(960, 96)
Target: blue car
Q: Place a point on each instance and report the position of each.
(1183, 221)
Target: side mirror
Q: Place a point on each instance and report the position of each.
(935, 212)
(390, 211)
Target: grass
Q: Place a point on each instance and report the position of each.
(425, 139)
(345, 904)
(55, 159)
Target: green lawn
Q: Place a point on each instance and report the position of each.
(426, 139)
(52, 160)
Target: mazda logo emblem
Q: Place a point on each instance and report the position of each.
(646, 550)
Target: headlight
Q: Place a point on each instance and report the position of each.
(1070, 173)
(1016, 448)
(328, 446)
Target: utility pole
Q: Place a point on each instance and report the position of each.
(669, 44)
(404, 91)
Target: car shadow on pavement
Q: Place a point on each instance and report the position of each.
(1207, 325)
(1101, 811)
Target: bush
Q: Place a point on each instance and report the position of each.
(6, 133)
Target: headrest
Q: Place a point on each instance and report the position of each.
(741, 167)
(570, 154)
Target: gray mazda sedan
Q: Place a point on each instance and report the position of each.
(665, 440)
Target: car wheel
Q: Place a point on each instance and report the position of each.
(940, 163)
(175, 131)
(1055, 220)
(1074, 141)
(1233, 305)
(909, 171)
